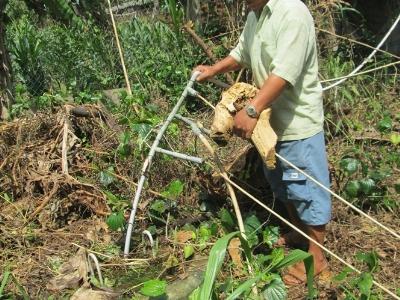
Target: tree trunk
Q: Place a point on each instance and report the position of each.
(5, 68)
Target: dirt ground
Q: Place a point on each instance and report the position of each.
(52, 205)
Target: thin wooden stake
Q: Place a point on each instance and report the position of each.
(121, 55)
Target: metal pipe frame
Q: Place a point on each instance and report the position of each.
(149, 159)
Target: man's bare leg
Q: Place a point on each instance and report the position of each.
(296, 274)
(293, 238)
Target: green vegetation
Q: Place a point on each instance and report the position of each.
(61, 57)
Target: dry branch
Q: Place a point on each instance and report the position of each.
(206, 49)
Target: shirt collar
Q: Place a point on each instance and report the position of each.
(271, 5)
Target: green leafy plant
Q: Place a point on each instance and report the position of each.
(7, 278)
(176, 12)
(174, 189)
(154, 288)
(26, 48)
(359, 286)
(252, 226)
(116, 221)
(266, 268)
(363, 178)
(385, 124)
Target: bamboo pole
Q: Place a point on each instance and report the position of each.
(121, 55)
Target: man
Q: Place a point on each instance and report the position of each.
(278, 44)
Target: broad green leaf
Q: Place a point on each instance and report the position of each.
(173, 129)
(111, 198)
(244, 287)
(367, 185)
(214, 229)
(297, 256)
(107, 177)
(153, 288)
(195, 294)
(352, 188)
(365, 284)
(395, 138)
(349, 165)
(216, 258)
(343, 275)
(4, 281)
(270, 235)
(188, 251)
(7, 198)
(204, 232)
(152, 229)
(275, 290)
(379, 175)
(124, 148)
(292, 258)
(159, 206)
(251, 226)
(385, 124)
(116, 220)
(142, 129)
(227, 220)
(173, 190)
(370, 258)
(276, 256)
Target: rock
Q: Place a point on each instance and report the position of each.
(86, 294)
(114, 95)
(181, 289)
(72, 273)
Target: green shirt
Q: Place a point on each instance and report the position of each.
(282, 41)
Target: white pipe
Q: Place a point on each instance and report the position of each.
(194, 159)
(93, 257)
(368, 58)
(151, 240)
(147, 162)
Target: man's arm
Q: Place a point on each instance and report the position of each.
(226, 65)
(269, 92)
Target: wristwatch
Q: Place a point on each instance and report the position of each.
(251, 111)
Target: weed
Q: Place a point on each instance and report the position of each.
(359, 286)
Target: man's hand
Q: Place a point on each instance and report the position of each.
(244, 125)
(207, 72)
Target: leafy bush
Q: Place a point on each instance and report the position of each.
(26, 47)
(155, 57)
(79, 59)
(55, 57)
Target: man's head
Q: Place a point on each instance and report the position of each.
(256, 5)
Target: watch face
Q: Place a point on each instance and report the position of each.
(251, 111)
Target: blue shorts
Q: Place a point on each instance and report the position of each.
(313, 204)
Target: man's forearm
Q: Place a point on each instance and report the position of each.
(269, 92)
(226, 65)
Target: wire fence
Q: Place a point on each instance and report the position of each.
(58, 57)
(49, 56)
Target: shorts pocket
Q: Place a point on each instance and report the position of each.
(296, 185)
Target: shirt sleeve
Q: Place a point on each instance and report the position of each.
(292, 46)
(240, 52)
